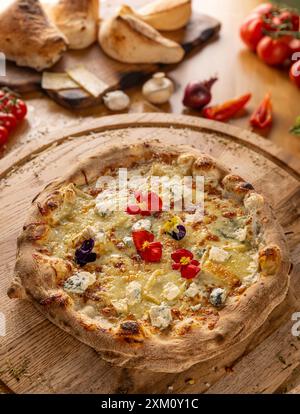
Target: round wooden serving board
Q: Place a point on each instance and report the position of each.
(36, 356)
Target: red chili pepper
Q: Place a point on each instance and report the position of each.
(226, 110)
(147, 203)
(262, 116)
(184, 262)
(149, 250)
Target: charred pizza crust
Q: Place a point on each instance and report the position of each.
(131, 343)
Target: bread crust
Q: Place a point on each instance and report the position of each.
(118, 34)
(28, 37)
(78, 20)
(167, 15)
(130, 345)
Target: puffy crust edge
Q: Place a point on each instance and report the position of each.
(37, 42)
(139, 349)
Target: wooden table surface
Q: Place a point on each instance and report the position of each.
(239, 71)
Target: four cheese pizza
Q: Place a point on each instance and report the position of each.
(146, 275)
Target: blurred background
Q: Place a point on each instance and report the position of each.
(238, 70)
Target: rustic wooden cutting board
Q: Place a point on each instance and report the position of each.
(200, 30)
(36, 356)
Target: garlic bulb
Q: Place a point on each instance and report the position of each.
(116, 100)
(158, 89)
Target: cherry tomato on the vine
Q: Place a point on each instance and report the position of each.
(273, 51)
(251, 31)
(12, 111)
(263, 9)
(294, 45)
(3, 135)
(9, 121)
(19, 109)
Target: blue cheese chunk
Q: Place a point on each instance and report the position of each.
(121, 305)
(134, 293)
(217, 297)
(218, 255)
(128, 241)
(241, 234)
(79, 282)
(106, 203)
(171, 291)
(109, 201)
(160, 316)
(144, 224)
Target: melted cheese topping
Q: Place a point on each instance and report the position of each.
(123, 285)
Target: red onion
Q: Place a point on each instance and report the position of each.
(198, 94)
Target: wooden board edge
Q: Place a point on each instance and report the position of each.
(286, 161)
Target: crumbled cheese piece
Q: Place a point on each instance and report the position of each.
(196, 217)
(217, 297)
(128, 241)
(241, 234)
(171, 291)
(79, 282)
(116, 256)
(121, 305)
(253, 202)
(196, 307)
(192, 290)
(160, 316)
(218, 255)
(172, 189)
(253, 265)
(89, 311)
(144, 224)
(100, 236)
(133, 293)
(88, 233)
(106, 202)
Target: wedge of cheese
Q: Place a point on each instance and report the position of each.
(88, 81)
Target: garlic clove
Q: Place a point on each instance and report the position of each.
(158, 89)
(116, 100)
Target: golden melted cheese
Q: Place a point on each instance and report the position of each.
(225, 224)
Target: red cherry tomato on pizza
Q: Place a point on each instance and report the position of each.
(3, 135)
(295, 73)
(273, 51)
(251, 31)
(9, 121)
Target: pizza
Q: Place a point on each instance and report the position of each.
(114, 254)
